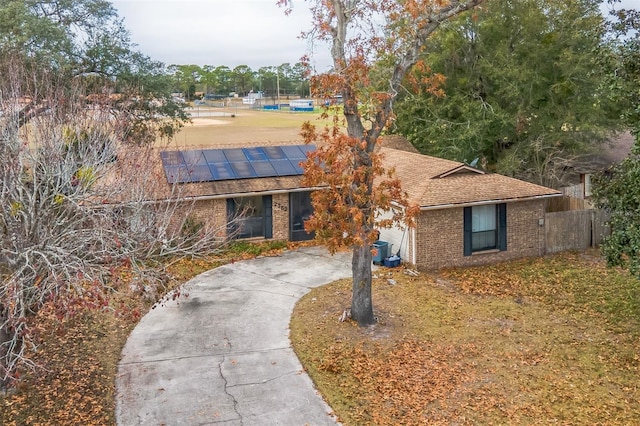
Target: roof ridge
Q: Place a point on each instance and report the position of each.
(459, 168)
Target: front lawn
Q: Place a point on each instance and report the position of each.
(541, 341)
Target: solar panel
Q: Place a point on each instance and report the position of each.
(284, 168)
(274, 153)
(264, 168)
(243, 169)
(200, 173)
(233, 163)
(293, 152)
(214, 156)
(307, 148)
(177, 174)
(192, 158)
(255, 154)
(234, 154)
(171, 158)
(222, 171)
(298, 167)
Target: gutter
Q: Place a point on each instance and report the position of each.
(485, 202)
(243, 194)
(178, 198)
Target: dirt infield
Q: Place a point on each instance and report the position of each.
(250, 127)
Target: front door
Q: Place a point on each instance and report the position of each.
(299, 211)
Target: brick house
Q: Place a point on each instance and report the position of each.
(249, 192)
(467, 216)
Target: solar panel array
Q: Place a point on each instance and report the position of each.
(204, 165)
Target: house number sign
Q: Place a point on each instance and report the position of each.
(280, 207)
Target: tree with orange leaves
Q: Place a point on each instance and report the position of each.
(374, 46)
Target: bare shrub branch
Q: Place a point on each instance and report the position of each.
(76, 203)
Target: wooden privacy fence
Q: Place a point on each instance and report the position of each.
(562, 204)
(574, 230)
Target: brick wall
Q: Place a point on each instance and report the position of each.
(439, 237)
(281, 208)
(213, 213)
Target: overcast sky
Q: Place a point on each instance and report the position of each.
(219, 32)
(225, 32)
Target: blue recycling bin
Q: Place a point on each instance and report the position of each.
(380, 252)
(392, 261)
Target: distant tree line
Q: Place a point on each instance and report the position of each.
(222, 80)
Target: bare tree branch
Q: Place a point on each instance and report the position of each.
(75, 204)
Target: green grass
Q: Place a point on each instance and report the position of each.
(249, 249)
(539, 341)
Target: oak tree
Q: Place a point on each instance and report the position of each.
(525, 88)
(374, 44)
(85, 40)
(617, 190)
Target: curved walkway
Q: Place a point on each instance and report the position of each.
(222, 355)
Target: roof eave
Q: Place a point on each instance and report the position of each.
(192, 198)
(485, 202)
(251, 193)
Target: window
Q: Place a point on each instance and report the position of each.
(249, 217)
(300, 210)
(485, 228)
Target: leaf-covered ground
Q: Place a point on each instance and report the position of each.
(541, 341)
(78, 356)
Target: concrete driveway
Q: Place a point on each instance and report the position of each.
(222, 355)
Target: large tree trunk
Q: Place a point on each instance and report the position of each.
(361, 305)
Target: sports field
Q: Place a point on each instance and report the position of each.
(218, 127)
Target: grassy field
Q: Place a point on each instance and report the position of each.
(542, 341)
(246, 127)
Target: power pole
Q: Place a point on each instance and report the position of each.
(278, 85)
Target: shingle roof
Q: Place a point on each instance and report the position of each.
(611, 152)
(241, 186)
(420, 177)
(396, 142)
(141, 167)
(430, 182)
